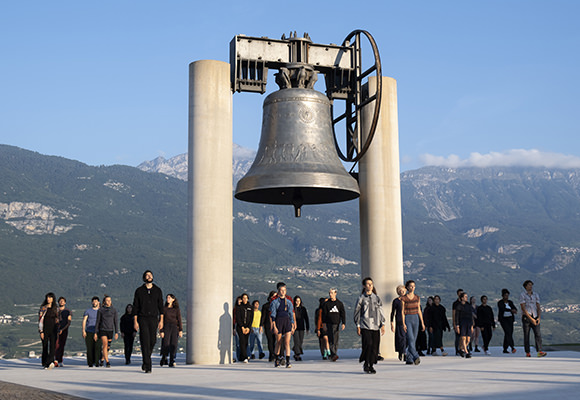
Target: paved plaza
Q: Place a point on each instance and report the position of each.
(499, 376)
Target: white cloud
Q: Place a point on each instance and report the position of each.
(508, 158)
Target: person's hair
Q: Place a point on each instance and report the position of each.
(255, 301)
(297, 297)
(145, 273)
(46, 296)
(364, 281)
(459, 291)
(321, 301)
(483, 297)
(105, 296)
(504, 291)
(62, 297)
(238, 300)
(471, 298)
(95, 298)
(175, 302)
(463, 295)
(526, 283)
(333, 289)
(244, 294)
(127, 309)
(436, 297)
(279, 285)
(408, 283)
(399, 288)
(272, 294)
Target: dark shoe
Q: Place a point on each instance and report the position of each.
(295, 357)
(513, 350)
(127, 362)
(334, 357)
(506, 352)
(366, 369)
(262, 355)
(421, 354)
(172, 364)
(409, 362)
(372, 370)
(108, 364)
(400, 356)
(380, 358)
(143, 367)
(252, 357)
(147, 371)
(288, 365)
(468, 355)
(276, 362)
(477, 350)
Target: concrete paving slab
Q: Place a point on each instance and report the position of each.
(500, 375)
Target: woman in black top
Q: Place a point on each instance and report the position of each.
(302, 326)
(48, 321)
(506, 310)
(436, 322)
(399, 328)
(172, 330)
(486, 323)
(128, 332)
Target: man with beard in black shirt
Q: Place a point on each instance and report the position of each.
(148, 316)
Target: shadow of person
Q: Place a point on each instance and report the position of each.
(225, 336)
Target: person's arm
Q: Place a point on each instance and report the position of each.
(305, 317)
(403, 315)
(356, 316)
(525, 312)
(116, 323)
(421, 315)
(342, 315)
(136, 310)
(160, 309)
(538, 309)
(84, 325)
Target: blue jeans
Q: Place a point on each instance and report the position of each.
(255, 336)
(413, 326)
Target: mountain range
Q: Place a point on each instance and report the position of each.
(81, 230)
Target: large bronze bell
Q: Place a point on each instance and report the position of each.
(297, 162)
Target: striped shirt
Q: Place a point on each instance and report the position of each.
(411, 306)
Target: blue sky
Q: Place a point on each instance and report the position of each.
(478, 81)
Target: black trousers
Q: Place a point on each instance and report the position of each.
(148, 338)
(128, 340)
(49, 346)
(169, 343)
(486, 335)
(60, 343)
(243, 343)
(507, 324)
(370, 346)
(333, 332)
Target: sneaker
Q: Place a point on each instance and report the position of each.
(372, 370)
(434, 353)
(288, 364)
(528, 355)
(487, 353)
(108, 364)
(172, 364)
(366, 369)
(542, 353)
(334, 357)
(50, 366)
(245, 360)
(477, 350)
(506, 352)
(443, 353)
(409, 362)
(252, 357)
(262, 355)
(468, 355)
(417, 361)
(276, 362)
(513, 350)
(380, 358)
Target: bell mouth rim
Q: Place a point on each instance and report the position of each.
(290, 195)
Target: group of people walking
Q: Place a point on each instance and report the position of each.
(100, 326)
(417, 329)
(283, 317)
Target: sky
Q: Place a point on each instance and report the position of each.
(478, 82)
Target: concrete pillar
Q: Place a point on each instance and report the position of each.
(380, 204)
(210, 210)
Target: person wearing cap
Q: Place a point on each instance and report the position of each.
(506, 311)
(530, 304)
